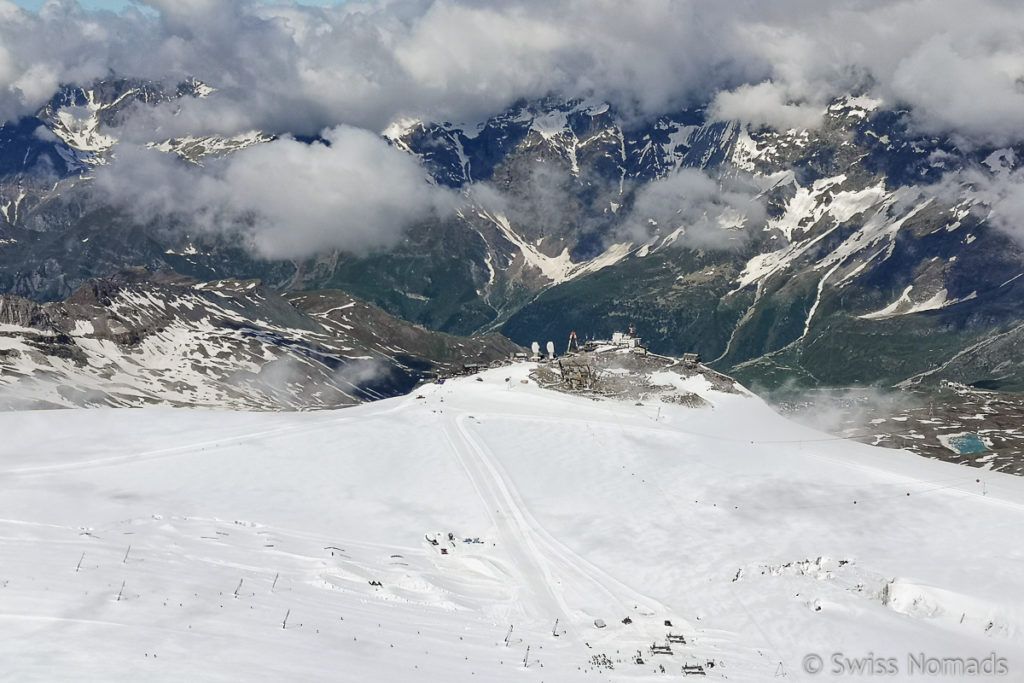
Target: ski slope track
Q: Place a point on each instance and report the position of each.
(479, 530)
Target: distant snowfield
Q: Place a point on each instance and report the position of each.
(166, 545)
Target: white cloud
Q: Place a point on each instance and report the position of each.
(713, 214)
(995, 194)
(287, 199)
(765, 104)
(1003, 195)
(282, 67)
(983, 99)
(957, 64)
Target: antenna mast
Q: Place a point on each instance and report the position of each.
(573, 342)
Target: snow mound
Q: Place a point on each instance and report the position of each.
(950, 609)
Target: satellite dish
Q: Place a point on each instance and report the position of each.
(551, 349)
(536, 348)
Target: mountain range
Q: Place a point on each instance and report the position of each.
(861, 252)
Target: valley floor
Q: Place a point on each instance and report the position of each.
(201, 545)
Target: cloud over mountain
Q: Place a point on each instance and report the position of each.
(284, 199)
(286, 68)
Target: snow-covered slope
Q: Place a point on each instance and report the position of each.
(195, 148)
(81, 116)
(171, 545)
(140, 338)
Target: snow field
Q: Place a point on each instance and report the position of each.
(759, 540)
